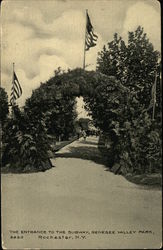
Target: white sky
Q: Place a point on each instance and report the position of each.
(39, 36)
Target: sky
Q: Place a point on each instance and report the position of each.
(41, 35)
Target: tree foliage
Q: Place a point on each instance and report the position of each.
(26, 143)
(3, 105)
(133, 64)
(137, 144)
(55, 102)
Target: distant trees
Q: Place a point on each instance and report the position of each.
(84, 123)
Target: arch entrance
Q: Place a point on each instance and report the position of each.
(55, 101)
(57, 98)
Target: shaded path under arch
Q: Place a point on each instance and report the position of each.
(83, 149)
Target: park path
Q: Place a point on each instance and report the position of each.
(79, 195)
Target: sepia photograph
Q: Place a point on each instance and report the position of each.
(81, 124)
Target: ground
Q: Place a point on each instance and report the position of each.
(79, 195)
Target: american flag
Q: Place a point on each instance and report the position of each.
(16, 90)
(91, 38)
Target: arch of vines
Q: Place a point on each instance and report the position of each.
(115, 111)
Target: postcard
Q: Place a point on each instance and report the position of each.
(81, 122)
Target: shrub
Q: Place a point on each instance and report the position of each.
(26, 143)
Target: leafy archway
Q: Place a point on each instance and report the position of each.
(116, 111)
(51, 110)
(56, 99)
(105, 99)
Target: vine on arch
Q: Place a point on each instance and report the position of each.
(114, 109)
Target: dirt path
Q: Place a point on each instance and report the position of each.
(79, 195)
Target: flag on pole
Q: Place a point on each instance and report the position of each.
(90, 38)
(16, 90)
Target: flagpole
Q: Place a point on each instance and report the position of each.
(13, 82)
(13, 101)
(154, 96)
(85, 39)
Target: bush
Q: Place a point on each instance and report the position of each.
(26, 143)
(136, 143)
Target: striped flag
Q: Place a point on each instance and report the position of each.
(91, 38)
(16, 90)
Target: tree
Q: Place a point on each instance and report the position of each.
(112, 61)
(3, 105)
(3, 115)
(133, 64)
(107, 108)
(137, 143)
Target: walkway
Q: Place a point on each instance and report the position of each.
(79, 195)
